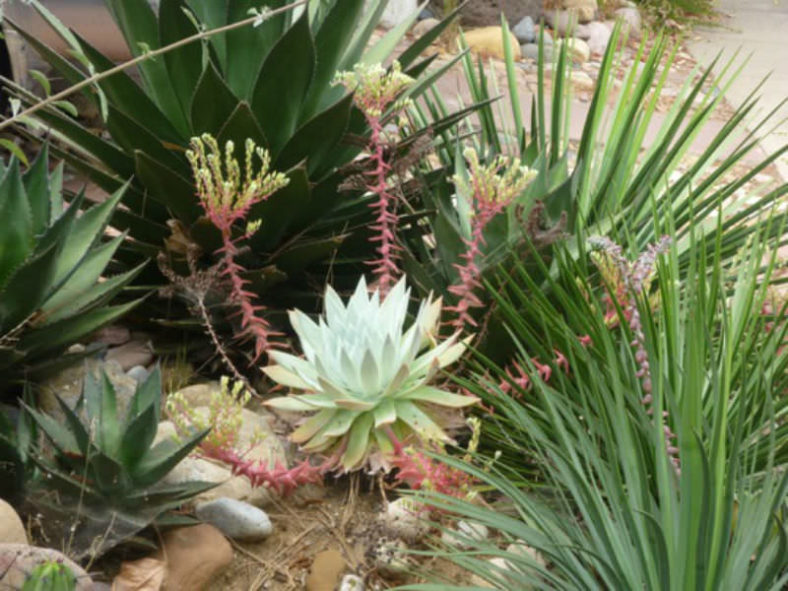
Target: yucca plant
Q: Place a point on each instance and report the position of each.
(102, 479)
(587, 477)
(269, 83)
(630, 161)
(365, 377)
(51, 264)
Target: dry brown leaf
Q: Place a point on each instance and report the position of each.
(145, 574)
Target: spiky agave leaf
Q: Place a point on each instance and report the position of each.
(365, 375)
(109, 466)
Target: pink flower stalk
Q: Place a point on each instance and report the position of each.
(227, 198)
(489, 190)
(279, 478)
(629, 280)
(375, 93)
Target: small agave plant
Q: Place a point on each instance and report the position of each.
(365, 377)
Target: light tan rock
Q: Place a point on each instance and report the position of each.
(326, 571)
(12, 530)
(423, 26)
(488, 42)
(194, 555)
(581, 81)
(17, 561)
(577, 50)
(585, 9)
(199, 394)
(135, 352)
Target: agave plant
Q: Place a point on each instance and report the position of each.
(51, 266)
(365, 376)
(271, 84)
(598, 502)
(104, 478)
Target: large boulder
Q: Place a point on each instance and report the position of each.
(194, 556)
(17, 561)
(12, 530)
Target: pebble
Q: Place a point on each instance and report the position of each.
(135, 352)
(326, 571)
(465, 535)
(531, 51)
(598, 37)
(421, 27)
(581, 80)
(632, 21)
(12, 530)
(138, 373)
(236, 519)
(391, 558)
(425, 14)
(351, 583)
(405, 519)
(525, 30)
(578, 50)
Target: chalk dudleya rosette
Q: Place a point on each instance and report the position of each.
(365, 376)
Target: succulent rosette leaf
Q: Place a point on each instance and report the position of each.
(365, 376)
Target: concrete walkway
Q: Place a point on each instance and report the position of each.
(760, 29)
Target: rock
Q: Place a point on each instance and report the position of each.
(236, 519)
(351, 583)
(422, 27)
(585, 9)
(327, 568)
(531, 51)
(632, 22)
(12, 530)
(199, 394)
(581, 80)
(67, 384)
(583, 32)
(112, 335)
(578, 50)
(524, 550)
(598, 37)
(396, 12)
(135, 352)
(138, 373)
(18, 560)
(406, 519)
(559, 21)
(194, 556)
(233, 487)
(582, 10)
(488, 42)
(466, 534)
(425, 14)
(390, 557)
(525, 30)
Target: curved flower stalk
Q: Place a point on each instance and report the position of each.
(365, 377)
(487, 189)
(223, 423)
(628, 280)
(226, 196)
(375, 92)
